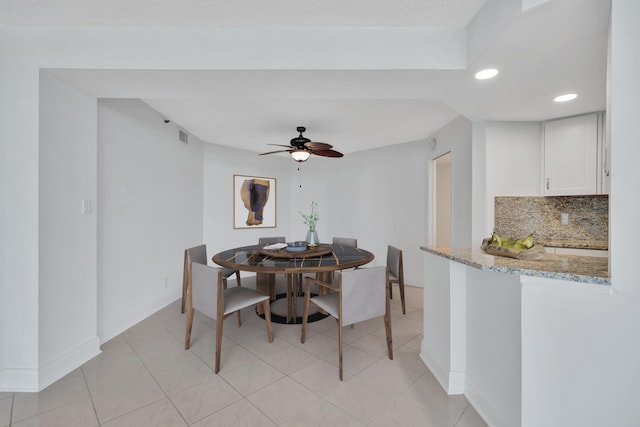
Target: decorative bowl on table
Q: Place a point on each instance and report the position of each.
(297, 246)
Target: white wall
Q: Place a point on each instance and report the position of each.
(150, 188)
(67, 247)
(455, 137)
(379, 197)
(220, 164)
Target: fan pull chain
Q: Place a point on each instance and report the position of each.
(300, 173)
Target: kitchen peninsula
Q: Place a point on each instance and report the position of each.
(487, 329)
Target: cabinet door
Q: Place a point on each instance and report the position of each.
(570, 156)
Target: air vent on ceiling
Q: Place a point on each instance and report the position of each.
(182, 135)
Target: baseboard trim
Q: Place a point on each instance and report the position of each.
(19, 380)
(57, 368)
(118, 326)
(484, 407)
(453, 382)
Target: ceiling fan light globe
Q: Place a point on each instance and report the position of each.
(300, 155)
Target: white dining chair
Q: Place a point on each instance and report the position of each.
(212, 299)
(199, 254)
(360, 294)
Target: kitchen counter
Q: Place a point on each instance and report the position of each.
(501, 330)
(584, 269)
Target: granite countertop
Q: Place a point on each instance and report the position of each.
(575, 268)
(602, 245)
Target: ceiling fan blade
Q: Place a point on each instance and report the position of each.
(280, 145)
(328, 153)
(273, 152)
(318, 146)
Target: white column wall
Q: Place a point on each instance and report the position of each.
(20, 226)
(493, 369)
(436, 348)
(480, 206)
(67, 239)
(624, 209)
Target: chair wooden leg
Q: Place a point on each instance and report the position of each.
(272, 287)
(305, 314)
(263, 285)
(401, 287)
(185, 281)
(297, 288)
(387, 323)
(340, 346)
(289, 297)
(187, 334)
(267, 318)
(219, 323)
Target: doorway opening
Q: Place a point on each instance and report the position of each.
(442, 200)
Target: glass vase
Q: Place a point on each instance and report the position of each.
(312, 238)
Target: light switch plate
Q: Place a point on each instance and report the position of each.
(564, 218)
(86, 207)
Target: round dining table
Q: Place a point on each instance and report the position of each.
(322, 259)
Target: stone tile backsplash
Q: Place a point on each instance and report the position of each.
(588, 225)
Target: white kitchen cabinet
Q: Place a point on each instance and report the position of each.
(573, 150)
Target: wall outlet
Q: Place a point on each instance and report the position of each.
(564, 218)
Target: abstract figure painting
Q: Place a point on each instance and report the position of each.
(254, 202)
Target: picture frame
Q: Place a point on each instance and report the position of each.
(254, 202)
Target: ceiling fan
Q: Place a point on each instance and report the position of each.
(302, 148)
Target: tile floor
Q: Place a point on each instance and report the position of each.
(144, 377)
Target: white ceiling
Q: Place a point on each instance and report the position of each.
(556, 47)
(244, 13)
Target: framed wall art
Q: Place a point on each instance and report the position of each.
(254, 202)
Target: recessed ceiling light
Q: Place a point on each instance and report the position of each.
(566, 97)
(489, 73)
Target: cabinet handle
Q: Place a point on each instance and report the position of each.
(547, 183)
